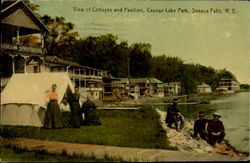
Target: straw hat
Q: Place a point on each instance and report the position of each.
(201, 113)
(217, 114)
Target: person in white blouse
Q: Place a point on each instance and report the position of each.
(64, 106)
(66, 112)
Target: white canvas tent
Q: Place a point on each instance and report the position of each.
(23, 99)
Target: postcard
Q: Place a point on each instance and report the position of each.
(124, 80)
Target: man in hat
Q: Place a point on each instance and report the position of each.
(174, 115)
(199, 126)
(215, 130)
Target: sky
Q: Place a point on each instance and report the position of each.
(199, 32)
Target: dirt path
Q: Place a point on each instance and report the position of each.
(121, 153)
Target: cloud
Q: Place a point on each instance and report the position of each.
(197, 20)
(227, 34)
(95, 28)
(99, 24)
(132, 19)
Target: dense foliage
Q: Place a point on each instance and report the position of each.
(121, 60)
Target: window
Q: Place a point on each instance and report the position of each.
(77, 71)
(83, 83)
(35, 68)
(87, 72)
(77, 82)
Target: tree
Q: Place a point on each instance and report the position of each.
(61, 37)
(140, 60)
(32, 6)
(166, 68)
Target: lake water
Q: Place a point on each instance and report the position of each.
(234, 110)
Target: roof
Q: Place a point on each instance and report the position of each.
(139, 80)
(56, 60)
(166, 85)
(108, 76)
(121, 81)
(204, 85)
(177, 83)
(155, 81)
(146, 80)
(31, 88)
(10, 7)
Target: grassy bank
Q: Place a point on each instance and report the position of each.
(128, 128)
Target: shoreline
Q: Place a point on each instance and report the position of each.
(154, 102)
(184, 141)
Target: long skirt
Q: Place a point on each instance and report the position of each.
(53, 116)
(211, 139)
(67, 119)
(76, 115)
(91, 118)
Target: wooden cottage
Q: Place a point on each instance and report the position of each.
(204, 88)
(19, 23)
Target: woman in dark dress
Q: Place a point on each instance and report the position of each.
(89, 110)
(76, 116)
(53, 116)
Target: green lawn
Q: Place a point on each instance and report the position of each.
(128, 128)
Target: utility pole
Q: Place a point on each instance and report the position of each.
(128, 70)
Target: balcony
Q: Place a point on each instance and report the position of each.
(92, 89)
(21, 48)
(89, 77)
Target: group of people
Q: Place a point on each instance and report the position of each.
(210, 130)
(69, 113)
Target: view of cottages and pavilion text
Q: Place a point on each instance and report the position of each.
(125, 64)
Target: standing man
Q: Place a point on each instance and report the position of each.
(199, 126)
(76, 116)
(89, 110)
(174, 115)
(215, 130)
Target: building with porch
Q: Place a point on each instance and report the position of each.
(176, 86)
(156, 87)
(228, 85)
(108, 92)
(148, 86)
(19, 23)
(143, 84)
(204, 88)
(121, 87)
(88, 79)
